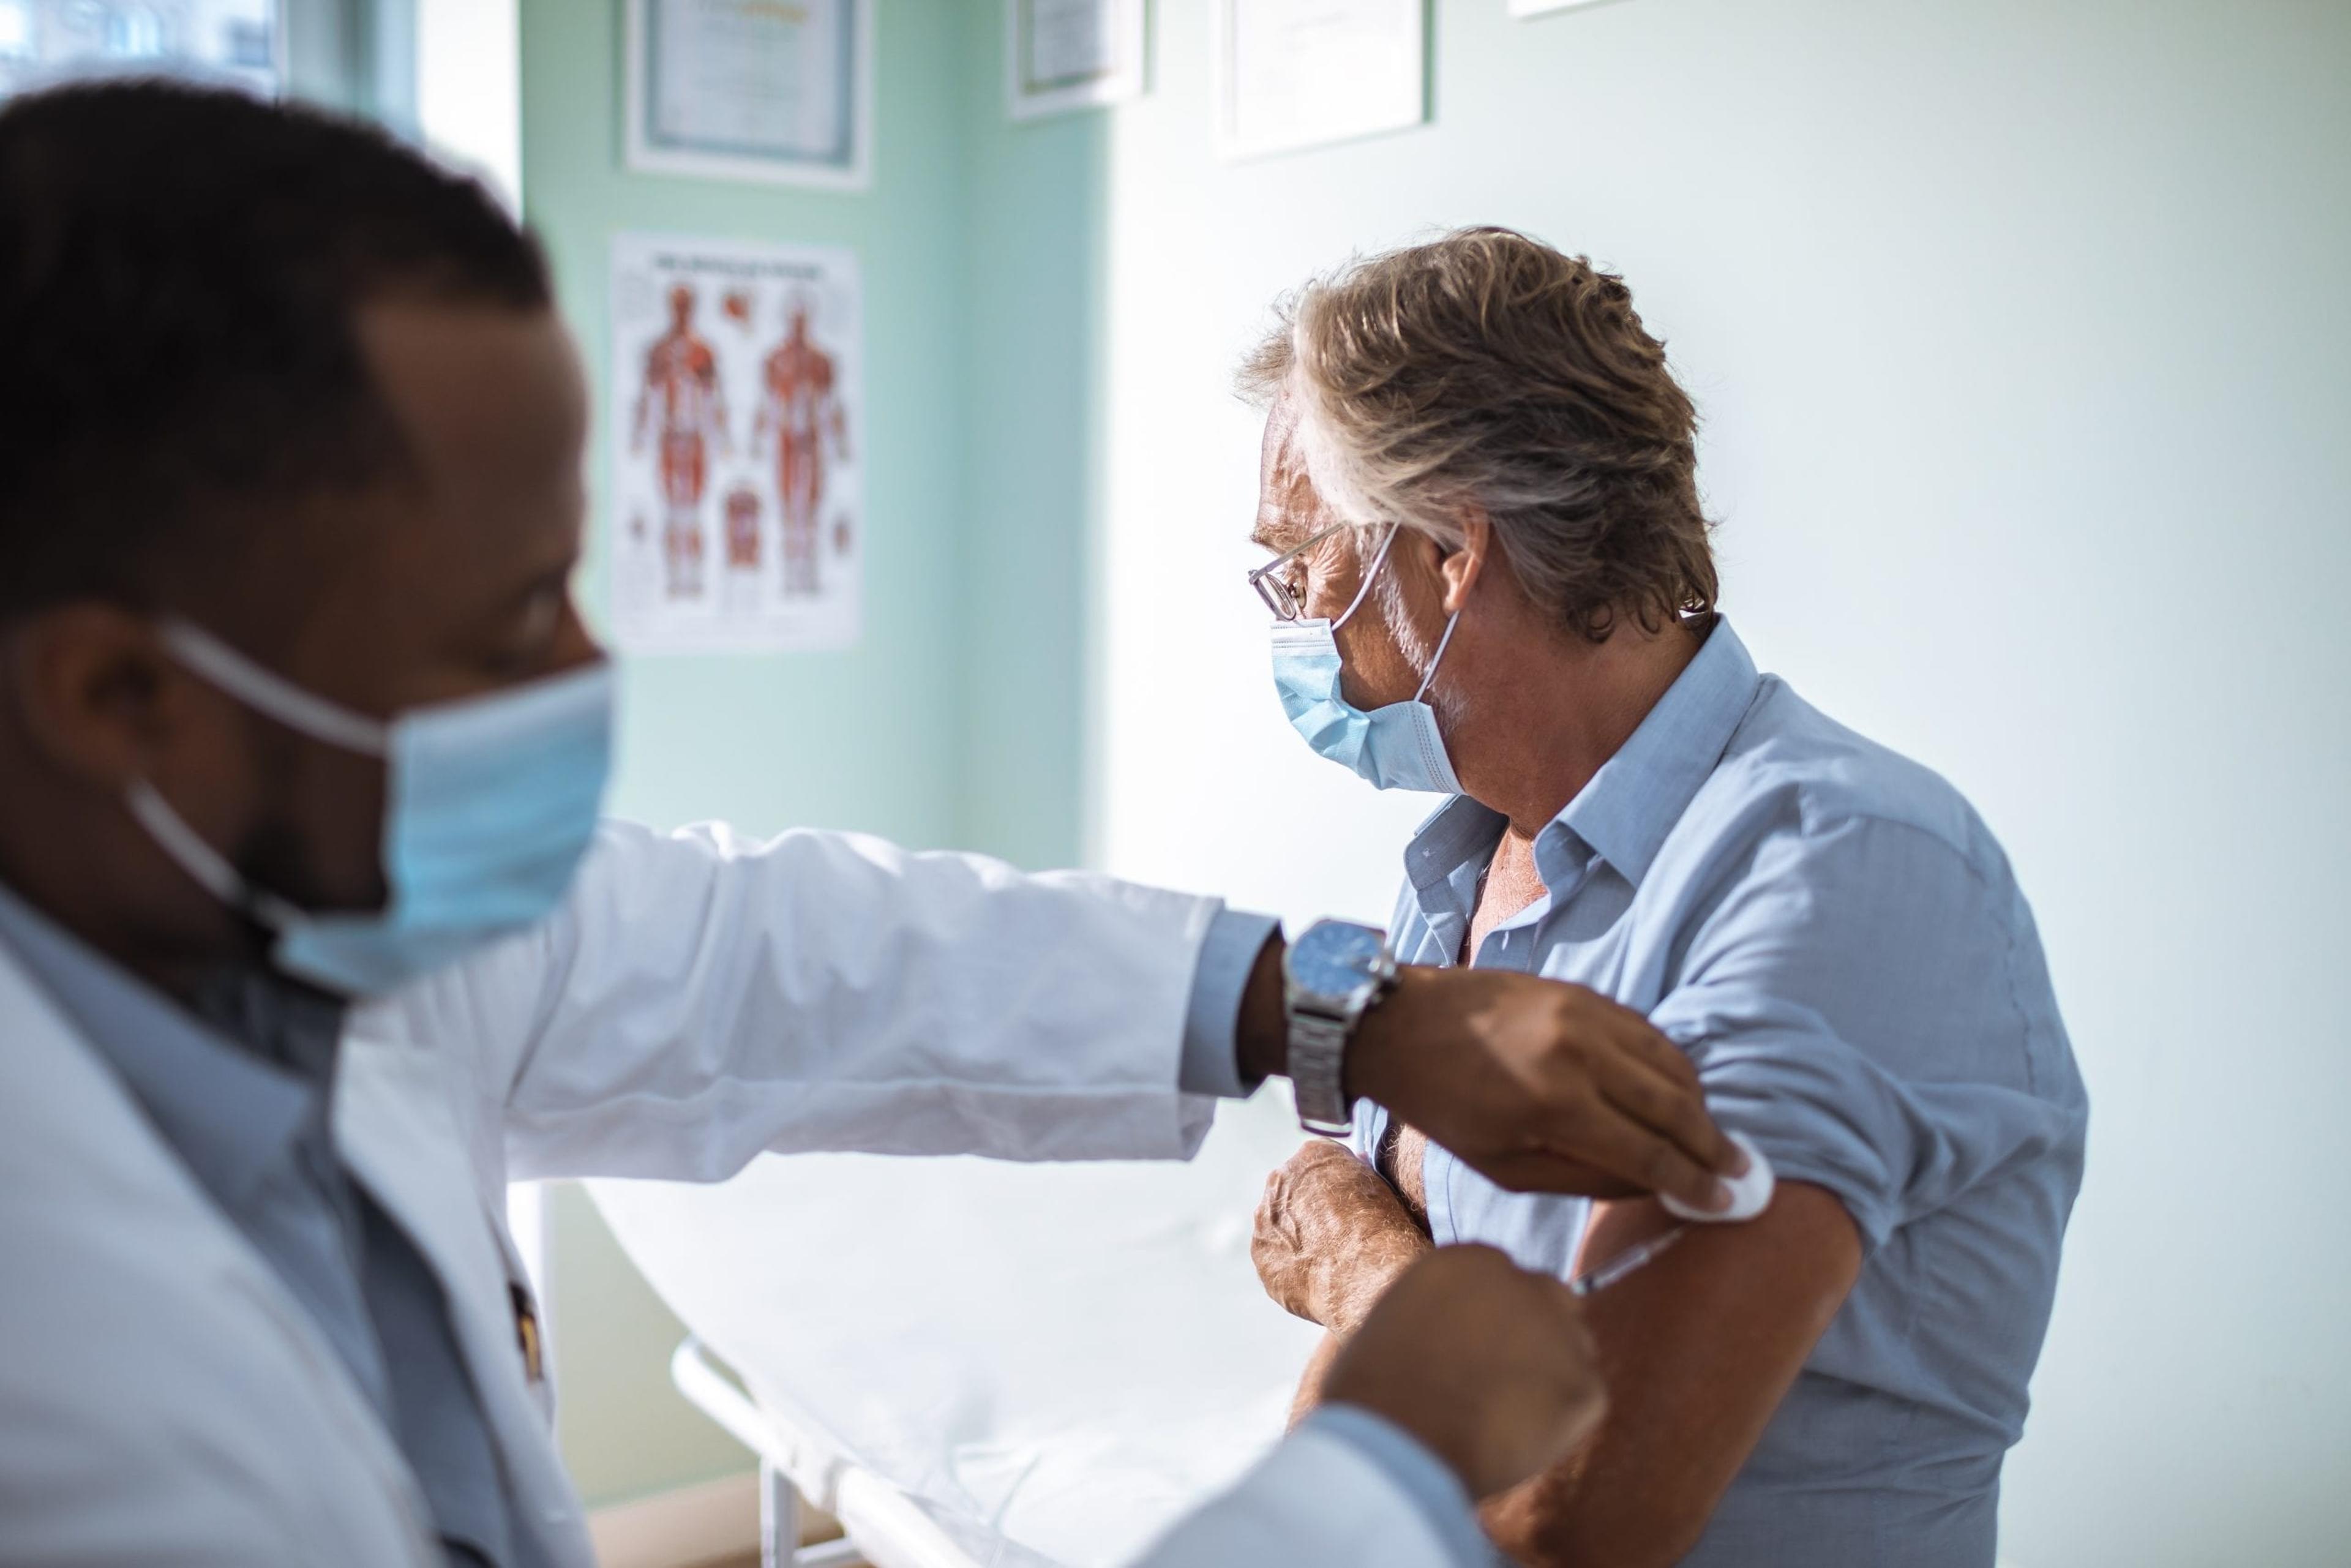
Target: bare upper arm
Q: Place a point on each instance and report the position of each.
(1697, 1349)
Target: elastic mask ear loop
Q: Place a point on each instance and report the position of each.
(208, 867)
(1369, 577)
(1439, 658)
(266, 691)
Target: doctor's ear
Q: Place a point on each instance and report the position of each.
(1462, 563)
(92, 690)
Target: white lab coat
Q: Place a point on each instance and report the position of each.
(164, 1399)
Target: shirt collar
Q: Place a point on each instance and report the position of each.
(1457, 832)
(1633, 802)
(227, 1113)
(1630, 805)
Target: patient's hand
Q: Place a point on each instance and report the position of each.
(1331, 1235)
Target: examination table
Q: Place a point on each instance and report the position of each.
(976, 1365)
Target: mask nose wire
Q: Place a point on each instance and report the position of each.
(1369, 577)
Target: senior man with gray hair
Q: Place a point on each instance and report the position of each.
(1494, 582)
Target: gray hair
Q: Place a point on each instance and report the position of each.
(1485, 372)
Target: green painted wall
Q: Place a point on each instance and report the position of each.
(1034, 302)
(864, 739)
(957, 719)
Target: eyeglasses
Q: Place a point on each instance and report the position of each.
(1273, 584)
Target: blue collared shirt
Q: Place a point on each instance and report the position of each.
(1836, 940)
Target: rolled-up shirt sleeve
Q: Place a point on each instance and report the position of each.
(1853, 1006)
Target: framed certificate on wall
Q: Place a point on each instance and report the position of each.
(752, 90)
(1292, 74)
(1071, 54)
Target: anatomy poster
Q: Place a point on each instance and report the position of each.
(739, 431)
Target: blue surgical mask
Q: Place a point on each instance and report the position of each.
(490, 804)
(1394, 747)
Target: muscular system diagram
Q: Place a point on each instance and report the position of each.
(682, 408)
(737, 491)
(801, 412)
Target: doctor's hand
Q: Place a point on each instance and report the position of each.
(1488, 1366)
(1542, 1086)
(1332, 1237)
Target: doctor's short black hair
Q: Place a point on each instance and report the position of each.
(181, 274)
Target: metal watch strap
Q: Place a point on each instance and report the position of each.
(1318, 1062)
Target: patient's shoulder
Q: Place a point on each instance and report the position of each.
(1791, 769)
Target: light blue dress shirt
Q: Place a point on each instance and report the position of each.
(1836, 940)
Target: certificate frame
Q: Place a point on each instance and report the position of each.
(1398, 103)
(1027, 97)
(649, 153)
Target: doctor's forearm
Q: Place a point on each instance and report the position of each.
(1261, 1029)
(1261, 1033)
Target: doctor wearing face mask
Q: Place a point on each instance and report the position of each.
(311, 939)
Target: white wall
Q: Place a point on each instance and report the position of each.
(2021, 331)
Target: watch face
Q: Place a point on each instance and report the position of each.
(1336, 959)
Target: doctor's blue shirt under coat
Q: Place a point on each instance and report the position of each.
(1836, 940)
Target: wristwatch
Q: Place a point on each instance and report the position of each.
(1331, 977)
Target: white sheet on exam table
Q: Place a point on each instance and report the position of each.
(1063, 1357)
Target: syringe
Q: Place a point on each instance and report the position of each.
(1623, 1263)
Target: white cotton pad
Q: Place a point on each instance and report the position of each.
(1750, 1194)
